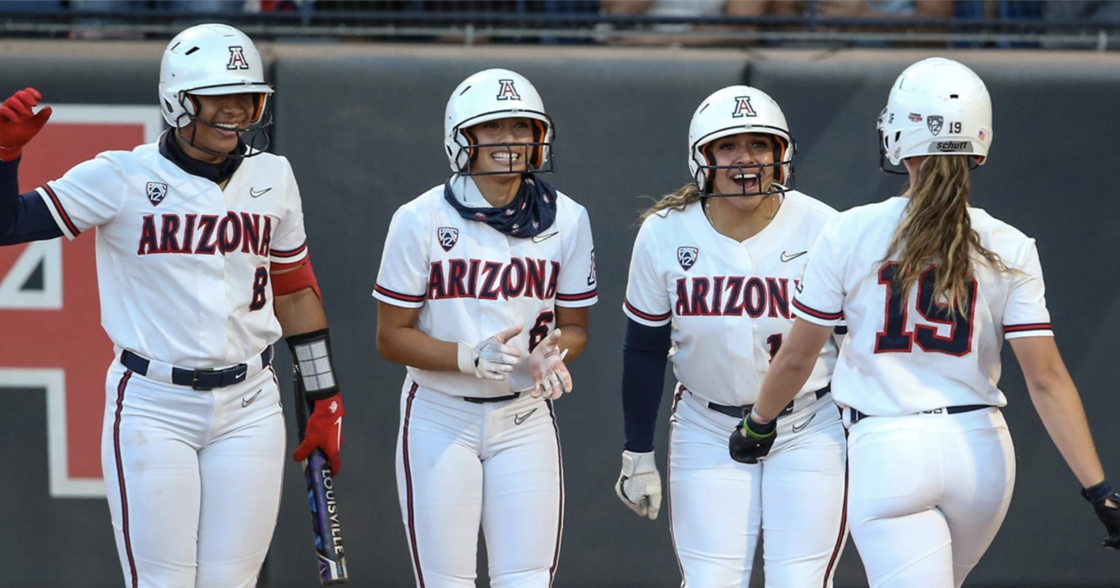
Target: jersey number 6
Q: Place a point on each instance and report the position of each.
(894, 338)
(540, 329)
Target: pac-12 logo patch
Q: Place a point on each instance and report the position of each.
(743, 107)
(237, 59)
(507, 91)
(687, 256)
(157, 191)
(448, 237)
(935, 122)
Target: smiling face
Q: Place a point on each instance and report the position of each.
(743, 153)
(509, 159)
(233, 113)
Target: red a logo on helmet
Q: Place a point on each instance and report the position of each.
(508, 92)
(743, 107)
(237, 59)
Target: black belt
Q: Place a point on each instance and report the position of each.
(197, 379)
(741, 411)
(858, 416)
(484, 400)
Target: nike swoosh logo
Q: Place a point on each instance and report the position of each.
(258, 193)
(786, 258)
(247, 401)
(798, 429)
(539, 238)
(520, 418)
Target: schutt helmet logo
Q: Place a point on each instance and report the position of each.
(157, 191)
(687, 256)
(507, 91)
(237, 59)
(935, 123)
(448, 237)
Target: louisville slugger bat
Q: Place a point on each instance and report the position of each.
(324, 505)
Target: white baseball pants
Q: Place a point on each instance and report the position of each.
(193, 478)
(928, 494)
(462, 464)
(795, 496)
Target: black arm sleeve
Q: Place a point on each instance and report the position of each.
(644, 355)
(23, 217)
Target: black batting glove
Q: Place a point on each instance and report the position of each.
(1099, 496)
(752, 440)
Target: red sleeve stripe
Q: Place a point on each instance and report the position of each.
(61, 211)
(645, 315)
(290, 254)
(397, 295)
(828, 316)
(575, 297)
(1027, 327)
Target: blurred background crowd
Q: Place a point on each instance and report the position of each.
(1087, 24)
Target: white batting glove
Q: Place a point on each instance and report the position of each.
(639, 484)
(546, 366)
(491, 359)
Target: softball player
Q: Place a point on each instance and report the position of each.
(202, 264)
(713, 271)
(484, 286)
(930, 288)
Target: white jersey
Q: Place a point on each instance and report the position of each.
(182, 265)
(728, 301)
(471, 281)
(901, 357)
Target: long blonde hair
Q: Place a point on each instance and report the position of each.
(687, 194)
(936, 229)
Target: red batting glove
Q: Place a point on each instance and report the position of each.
(18, 124)
(324, 431)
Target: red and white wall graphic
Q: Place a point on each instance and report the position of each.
(53, 339)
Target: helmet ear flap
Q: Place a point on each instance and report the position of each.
(709, 173)
(536, 158)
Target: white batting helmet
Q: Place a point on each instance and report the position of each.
(209, 60)
(491, 95)
(936, 107)
(734, 110)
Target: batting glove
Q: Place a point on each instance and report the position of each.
(324, 431)
(639, 484)
(1109, 514)
(551, 378)
(18, 125)
(491, 359)
(752, 440)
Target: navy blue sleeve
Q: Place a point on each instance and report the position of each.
(644, 355)
(23, 217)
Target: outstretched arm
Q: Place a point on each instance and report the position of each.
(23, 218)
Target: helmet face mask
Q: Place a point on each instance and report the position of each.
(936, 106)
(490, 95)
(735, 110)
(214, 60)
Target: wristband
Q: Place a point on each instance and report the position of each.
(311, 356)
(1098, 493)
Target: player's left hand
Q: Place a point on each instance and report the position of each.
(324, 431)
(1106, 504)
(18, 125)
(639, 484)
(751, 441)
(546, 366)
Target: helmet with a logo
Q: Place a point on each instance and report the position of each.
(210, 60)
(488, 95)
(936, 107)
(731, 111)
